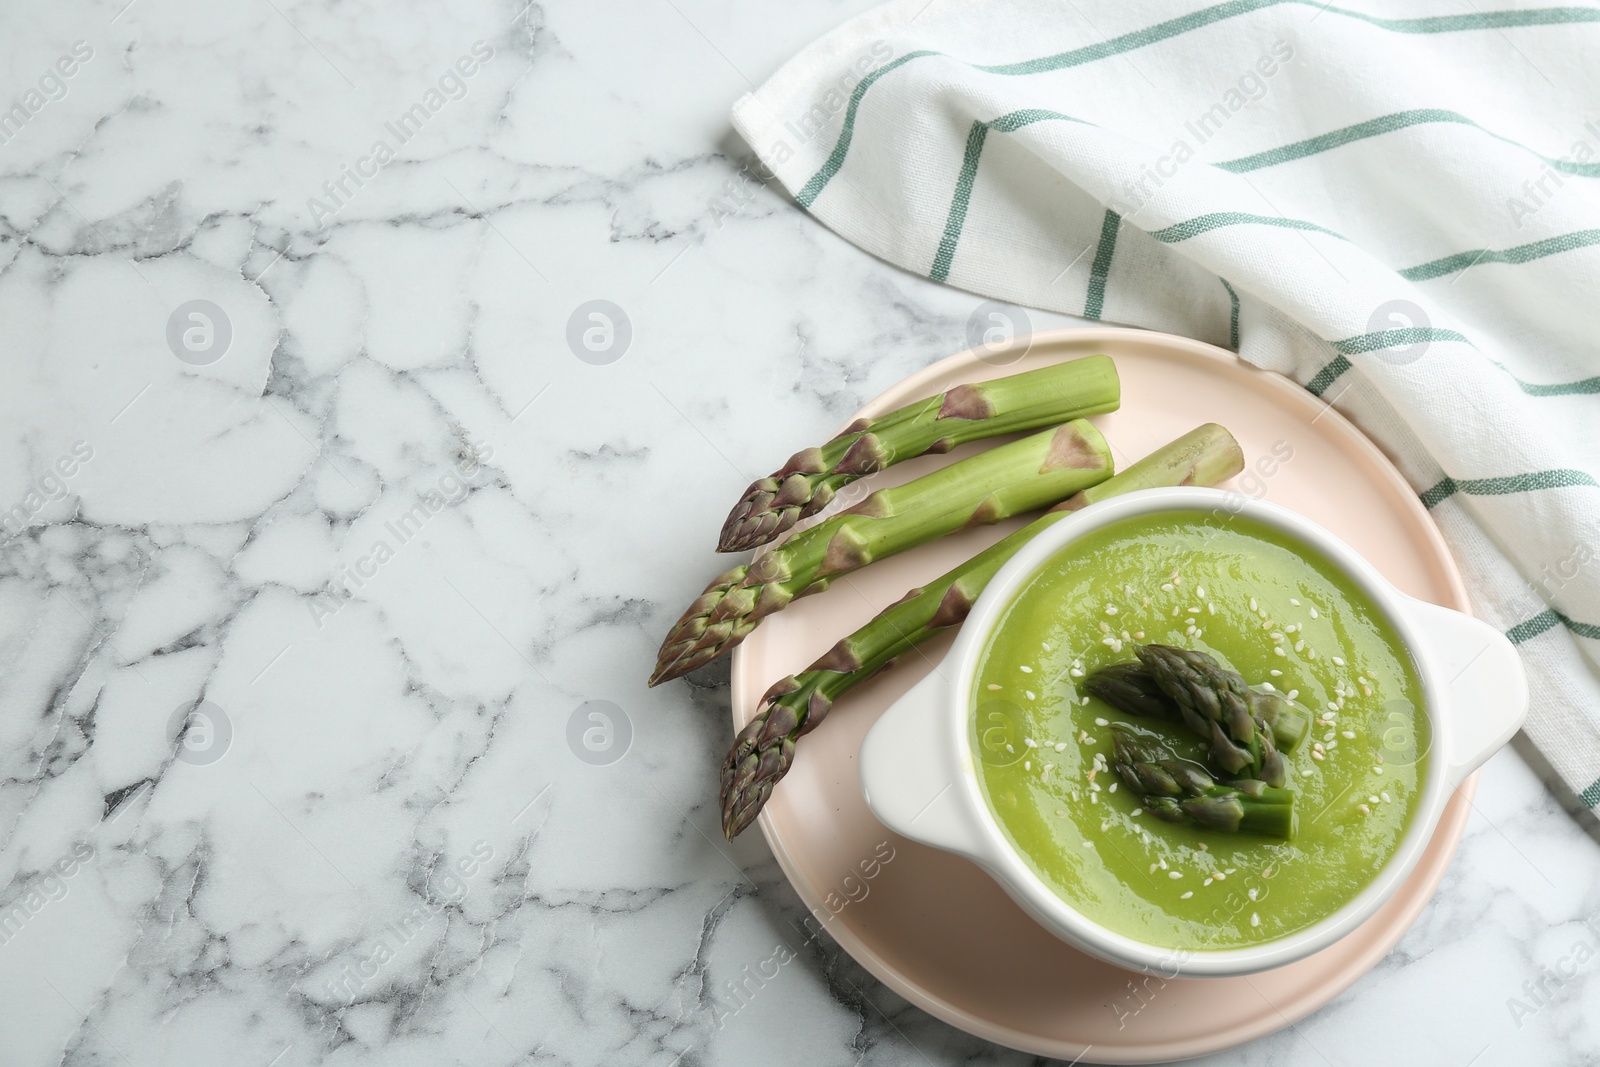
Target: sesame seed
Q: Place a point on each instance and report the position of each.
(1166, 587)
(1204, 847)
(1253, 892)
(1376, 769)
(1293, 693)
(1187, 895)
(1279, 650)
(1314, 614)
(1212, 608)
(993, 688)
(1030, 742)
(1085, 703)
(1177, 579)
(1253, 604)
(1163, 864)
(1087, 844)
(1348, 735)
(1316, 754)
(1174, 875)
(1255, 919)
(1220, 876)
(1275, 673)
(1111, 609)
(1027, 765)
(1293, 601)
(1075, 672)
(1385, 797)
(1363, 809)
(1138, 812)
(1372, 799)
(1365, 691)
(1045, 645)
(1207, 881)
(1153, 868)
(1010, 749)
(1029, 694)
(1200, 591)
(1113, 788)
(1337, 662)
(1102, 722)
(1138, 635)
(1194, 611)
(1061, 746)
(1105, 627)
(1026, 669)
(1299, 646)
(1277, 638)
(1126, 636)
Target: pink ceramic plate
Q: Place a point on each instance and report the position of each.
(934, 927)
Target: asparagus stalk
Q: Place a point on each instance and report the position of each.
(1132, 689)
(764, 749)
(1180, 792)
(993, 485)
(1029, 401)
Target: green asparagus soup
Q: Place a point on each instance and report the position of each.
(1290, 625)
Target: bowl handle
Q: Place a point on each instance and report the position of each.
(911, 771)
(1486, 689)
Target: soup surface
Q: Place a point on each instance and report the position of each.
(1263, 605)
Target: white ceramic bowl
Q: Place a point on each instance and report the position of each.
(918, 774)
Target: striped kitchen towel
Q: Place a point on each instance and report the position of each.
(1397, 205)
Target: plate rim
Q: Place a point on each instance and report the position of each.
(1452, 822)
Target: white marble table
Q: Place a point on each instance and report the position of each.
(368, 508)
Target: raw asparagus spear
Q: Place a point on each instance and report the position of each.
(1215, 703)
(1012, 478)
(764, 749)
(805, 485)
(1180, 792)
(1132, 689)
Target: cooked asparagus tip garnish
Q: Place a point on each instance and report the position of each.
(764, 749)
(1235, 814)
(1133, 690)
(1016, 404)
(1007, 480)
(1180, 792)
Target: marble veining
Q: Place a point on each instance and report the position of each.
(306, 457)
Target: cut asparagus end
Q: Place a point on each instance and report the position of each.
(1290, 721)
(1206, 455)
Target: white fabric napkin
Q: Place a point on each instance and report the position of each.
(1399, 207)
